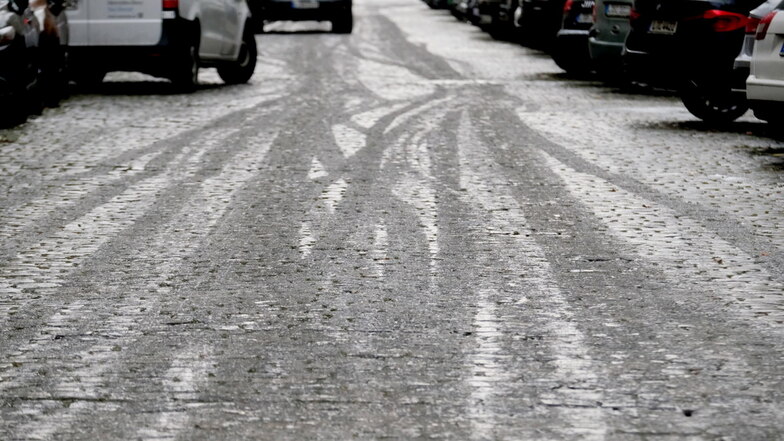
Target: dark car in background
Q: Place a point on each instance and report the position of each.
(570, 51)
(338, 12)
(486, 16)
(538, 21)
(33, 37)
(608, 35)
(691, 45)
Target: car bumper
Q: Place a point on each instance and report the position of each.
(764, 89)
(605, 53)
(286, 10)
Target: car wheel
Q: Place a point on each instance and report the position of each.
(343, 24)
(53, 71)
(185, 75)
(519, 20)
(575, 62)
(713, 103)
(242, 70)
(34, 93)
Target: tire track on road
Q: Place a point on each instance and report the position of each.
(172, 246)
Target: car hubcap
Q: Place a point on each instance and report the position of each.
(244, 55)
(194, 65)
(518, 15)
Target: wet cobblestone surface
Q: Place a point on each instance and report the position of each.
(411, 232)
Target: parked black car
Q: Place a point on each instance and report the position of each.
(538, 21)
(570, 50)
(32, 58)
(691, 45)
(338, 12)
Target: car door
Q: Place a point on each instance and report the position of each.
(232, 26)
(78, 22)
(212, 23)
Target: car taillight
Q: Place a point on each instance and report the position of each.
(171, 4)
(751, 25)
(725, 21)
(568, 6)
(634, 15)
(764, 24)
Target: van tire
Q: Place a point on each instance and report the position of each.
(185, 74)
(241, 71)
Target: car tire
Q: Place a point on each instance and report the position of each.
(34, 92)
(343, 24)
(185, 73)
(53, 71)
(241, 70)
(713, 103)
(573, 61)
(521, 25)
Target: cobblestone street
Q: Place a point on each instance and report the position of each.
(410, 232)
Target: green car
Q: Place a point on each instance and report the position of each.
(608, 35)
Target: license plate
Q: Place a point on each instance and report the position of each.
(584, 18)
(663, 27)
(304, 4)
(612, 10)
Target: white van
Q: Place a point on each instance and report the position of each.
(164, 38)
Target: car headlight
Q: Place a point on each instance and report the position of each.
(7, 35)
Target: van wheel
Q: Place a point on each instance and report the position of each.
(241, 70)
(185, 75)
(343, 24)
